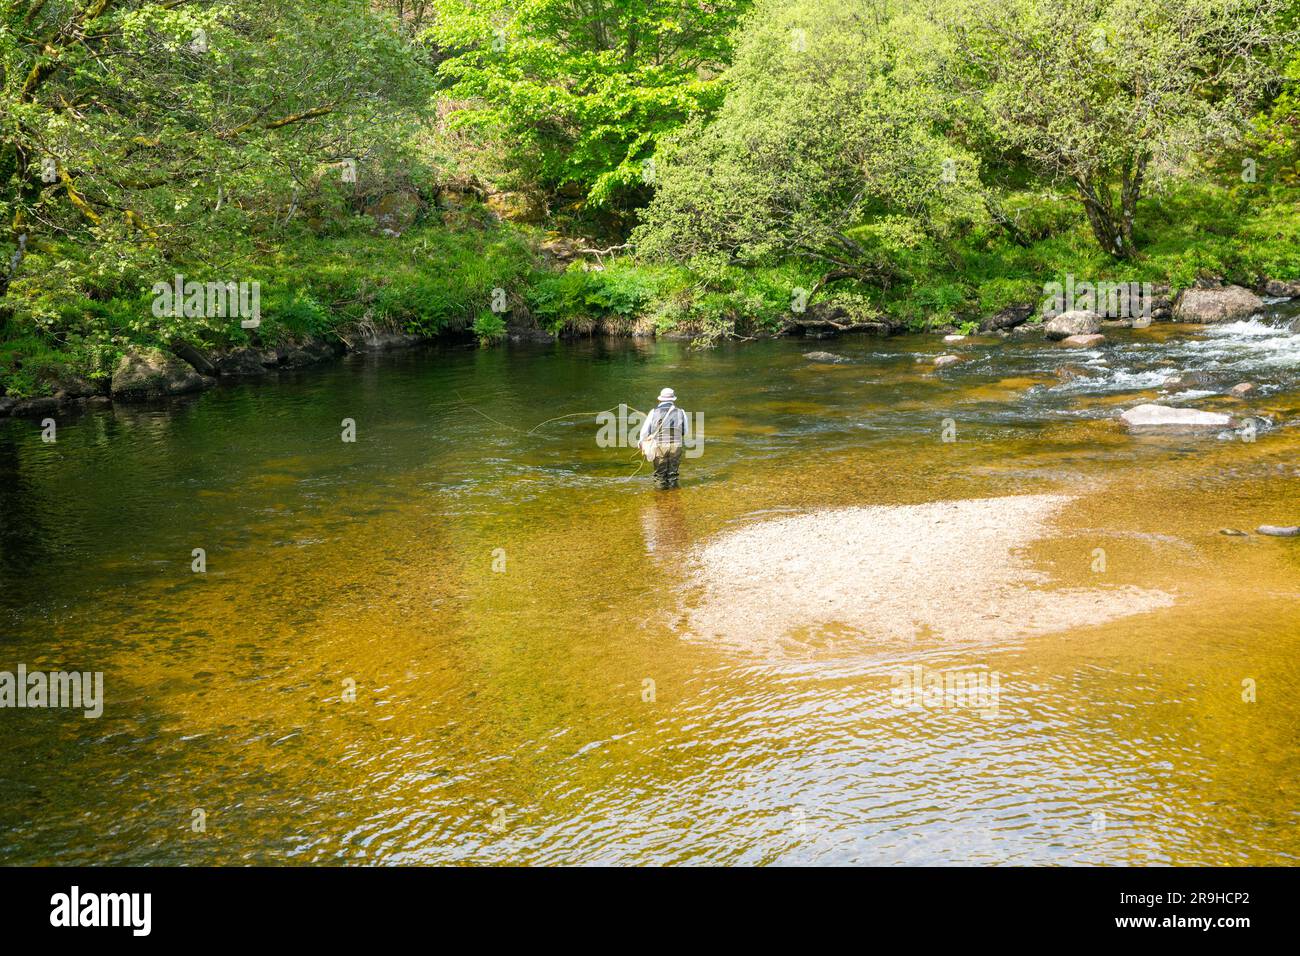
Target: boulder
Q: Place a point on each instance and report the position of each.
(1253, 425)
(34, 407)
(1083, 341)
(1227, 304)
(943, 361)
(1242, 390)
(1174, 419)
(1279, 531)
(239, 362)
(954, 338)
(517, 207)
(1282, 289)
(6, 405)
(144, 374)
(1008, 318)
(826, 358)
(1162, 303)
(293, 356)
(1192, 379)
(396, 212)
(1068, 324)
(1233, 533)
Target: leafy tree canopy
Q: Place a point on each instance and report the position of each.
(579, 92)
(830, 146)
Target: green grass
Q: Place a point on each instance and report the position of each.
(75, 314)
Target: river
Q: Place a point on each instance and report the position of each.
(459, 637)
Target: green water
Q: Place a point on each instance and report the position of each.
(502, 715)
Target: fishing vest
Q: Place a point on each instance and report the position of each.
(667, 424)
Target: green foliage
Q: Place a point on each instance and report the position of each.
(935, 160)
(579, 94)
(1112, 96)
(159, 138)
(829, 146)
(489, 327)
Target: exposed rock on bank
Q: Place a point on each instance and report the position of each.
(1282, 288)
(1009, 318)
(396, 212)
(146, 374)
(1230, 303)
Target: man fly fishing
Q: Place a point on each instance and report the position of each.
(663, 437)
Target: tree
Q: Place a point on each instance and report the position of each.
(1112, 94)
(579, 92)
(1278, 126)
(829, 147)
(158, 125)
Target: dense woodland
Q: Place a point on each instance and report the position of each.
(475, 166)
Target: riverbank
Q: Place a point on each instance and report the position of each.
(438, 269)
(152, 374)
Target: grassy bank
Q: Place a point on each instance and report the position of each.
(433, 280)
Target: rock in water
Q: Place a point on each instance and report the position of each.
(826, 358)
(954, 338)
(1279, 531)
(1242, 390)
(1283, 289)
(1175, 419)
(1193, 379)
(240, 361)
(943, 361)
(1009, 318)
(1233, 532)
(144, 374)
(1229, 304)
(1083, 341)
(1076, 322)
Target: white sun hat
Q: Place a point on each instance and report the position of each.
(667, 395)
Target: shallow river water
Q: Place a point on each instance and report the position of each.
(504, 601)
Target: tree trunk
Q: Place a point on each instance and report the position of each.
(1132, 191)
(1107, 227)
